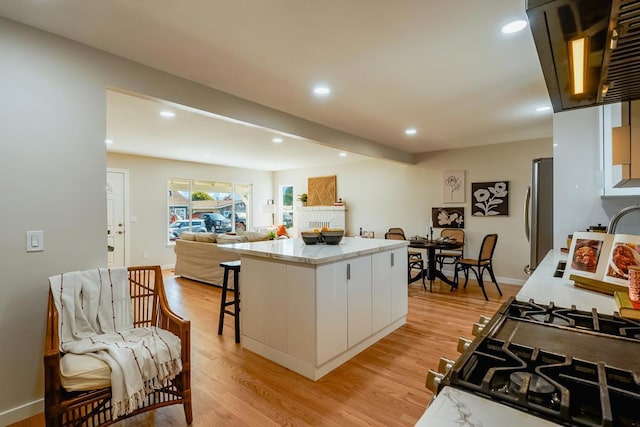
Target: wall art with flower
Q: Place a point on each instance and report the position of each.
(453, 186)
(490, 198)
(447, 217)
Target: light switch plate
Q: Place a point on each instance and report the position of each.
(35, 241)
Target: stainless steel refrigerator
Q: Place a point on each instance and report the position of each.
(539, 212)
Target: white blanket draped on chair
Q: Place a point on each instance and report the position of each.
(95, 318)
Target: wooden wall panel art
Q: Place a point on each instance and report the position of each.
(321, 191)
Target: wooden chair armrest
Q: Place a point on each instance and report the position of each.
(52, 356)
(181, 327)
(173, 322)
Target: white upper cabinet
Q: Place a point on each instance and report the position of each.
(621, 149)
(625, 144)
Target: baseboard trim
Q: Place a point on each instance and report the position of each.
(21, 412)
(505, 280)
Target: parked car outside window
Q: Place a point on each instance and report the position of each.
(240, 219)
(287, 219)
(215, 222)
(177, 227)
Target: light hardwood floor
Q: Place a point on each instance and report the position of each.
(382, 386)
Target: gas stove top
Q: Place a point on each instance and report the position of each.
(571, 367)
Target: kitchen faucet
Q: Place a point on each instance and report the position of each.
(611, 229)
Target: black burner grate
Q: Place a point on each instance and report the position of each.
(593, 321)
(569, 366)
(557, 387)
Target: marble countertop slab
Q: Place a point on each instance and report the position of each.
(295, 250)
(457, 408)
(543, 288)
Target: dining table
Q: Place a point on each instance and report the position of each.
(431, 246)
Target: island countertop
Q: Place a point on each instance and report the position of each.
(295, 250)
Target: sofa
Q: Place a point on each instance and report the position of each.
(198, 255)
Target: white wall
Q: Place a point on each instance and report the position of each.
(383, 194)
(53, 163)
(148, 199)
(578, 176)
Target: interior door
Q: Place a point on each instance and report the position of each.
(115, 219)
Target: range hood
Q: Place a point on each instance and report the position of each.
(611, 29)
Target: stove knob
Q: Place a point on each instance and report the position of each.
(433, 380)
(463, 344)
(445, 365)
(484, 319)
(477, 329)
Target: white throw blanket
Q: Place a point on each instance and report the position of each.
(95, 317)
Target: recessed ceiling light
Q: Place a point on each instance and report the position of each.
(322, 90)
(167, 114)
(342, 154)
(514, 27)
(207, 155)
(545, 108)
(108, 141)
(410, 131)
(277, 140)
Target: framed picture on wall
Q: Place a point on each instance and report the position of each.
(490, 198)
(447, 217)
(453, 186)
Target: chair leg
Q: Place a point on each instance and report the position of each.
(236, 300)
(223, 300)
(480, 281)
(493, 278)
(188, 411)
(466, 276)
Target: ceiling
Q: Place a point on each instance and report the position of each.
(443, 68)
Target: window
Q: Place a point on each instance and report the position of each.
(207, 206)
(286, 202)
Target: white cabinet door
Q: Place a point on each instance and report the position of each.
(358, 273)
(399, 285)
(381, 266)
(331, 311)
(301, 312)
(263, 302)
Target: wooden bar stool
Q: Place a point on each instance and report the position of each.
(235, 267)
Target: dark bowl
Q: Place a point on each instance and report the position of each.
(332, 237)
(310, 238)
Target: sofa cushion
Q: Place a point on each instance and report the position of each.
(254, 236)
(188, 235)
(206, 237)
(230, 238)
(81, 372)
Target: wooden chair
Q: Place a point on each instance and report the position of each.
(414, 258)
(480, 265)
(397, 230)
(93, 407)
(450, 257)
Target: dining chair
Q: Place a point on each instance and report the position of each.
(450, 256)
(414, 258)
(397, 230)
(479, 265)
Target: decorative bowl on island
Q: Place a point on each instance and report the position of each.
(310, 237)
(332, 236)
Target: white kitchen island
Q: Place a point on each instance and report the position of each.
(311, 308)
